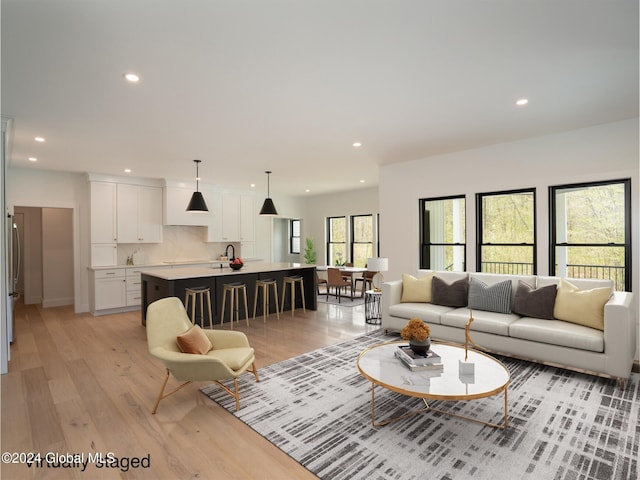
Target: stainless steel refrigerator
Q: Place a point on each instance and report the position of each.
(13, 273)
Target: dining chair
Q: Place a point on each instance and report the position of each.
(337, 281)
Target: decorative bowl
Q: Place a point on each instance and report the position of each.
(236, 266)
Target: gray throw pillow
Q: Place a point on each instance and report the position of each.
(535, 302)
(494, 298)
(449, 295)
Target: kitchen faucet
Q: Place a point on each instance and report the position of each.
(233, 253)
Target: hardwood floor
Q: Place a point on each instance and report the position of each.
(80, 384)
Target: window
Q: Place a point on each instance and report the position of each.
(294, 236)
(506, 232)
(443, 233)
(591, 231)
(361, 239)
(336, 240)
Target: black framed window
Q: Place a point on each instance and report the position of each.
(336, 240)
(361, 239)
(294, 236)
(506, 232)
(443, 233)
(591, 231)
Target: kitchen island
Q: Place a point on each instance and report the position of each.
(173, 283)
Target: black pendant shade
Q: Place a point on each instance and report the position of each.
(197, 203)
(268, 208)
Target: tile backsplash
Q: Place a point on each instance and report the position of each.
(179, 243)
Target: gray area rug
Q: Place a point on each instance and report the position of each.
(344, 301)
(562, 425)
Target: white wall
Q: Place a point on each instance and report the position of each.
(41, 188)
(362, 201)
(57, 257)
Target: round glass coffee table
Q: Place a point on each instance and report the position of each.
(490, 377)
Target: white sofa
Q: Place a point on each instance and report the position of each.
(609, 352)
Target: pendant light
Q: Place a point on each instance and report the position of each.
(268, 208)
(197, 203)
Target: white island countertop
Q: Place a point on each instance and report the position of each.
(199, 272)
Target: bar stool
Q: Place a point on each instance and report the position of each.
(263, 285)
(234, 290)
(293, 281)
(193, 293)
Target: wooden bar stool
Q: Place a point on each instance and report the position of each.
(234, 290)
(193, 293)
(293, 281)
(263, 285)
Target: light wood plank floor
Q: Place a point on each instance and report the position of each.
(80, 384)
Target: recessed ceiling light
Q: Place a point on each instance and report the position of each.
(33, 159)
(39, 139)
(361, 181)
(127, 170)
(357, 144)
(522, 102)
(307, 190)
(132, 77)
(253, 185)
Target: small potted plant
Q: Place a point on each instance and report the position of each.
(417, 332)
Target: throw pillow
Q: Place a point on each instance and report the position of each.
(584, 307)
(416, 289)
(494, 298)
(449, 295)
(194, 340)
(535, 302)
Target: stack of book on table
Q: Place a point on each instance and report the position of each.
(430, 361)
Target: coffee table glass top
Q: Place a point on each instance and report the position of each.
(379, 365)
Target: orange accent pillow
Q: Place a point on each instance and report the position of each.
(194, 340)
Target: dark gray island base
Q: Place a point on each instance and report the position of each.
(173, 283)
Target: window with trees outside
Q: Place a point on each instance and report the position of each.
(506, 232)
(443, 233)
(294, 236)
(591, 231)
(336, 240)
(361, 239)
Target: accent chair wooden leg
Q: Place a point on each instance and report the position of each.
(162, 395)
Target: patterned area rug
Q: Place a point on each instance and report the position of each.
(562, 425)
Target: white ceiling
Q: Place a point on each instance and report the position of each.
(288, 86)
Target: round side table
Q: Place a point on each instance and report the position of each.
(372, 311)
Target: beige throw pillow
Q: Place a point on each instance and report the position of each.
(194, 340)
(584, 307)
(416, 289)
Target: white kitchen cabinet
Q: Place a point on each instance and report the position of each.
(230, 217)
(103, 212)
(109, 289)
(247, 249)
(176, 200)
(139, 214)
(247, 218)
(104, 254)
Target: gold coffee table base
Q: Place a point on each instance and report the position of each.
(427, 408)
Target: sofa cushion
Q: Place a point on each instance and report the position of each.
(558, 332)
(535, 302)
(494, 298)
(584, 307)
(416, 289)
(194, 340)
(489, 322)
(450, 295)
(428, 312)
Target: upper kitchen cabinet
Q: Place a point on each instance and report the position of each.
(176, 198)
(103, 213)
(139, 214)
(235, 221)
